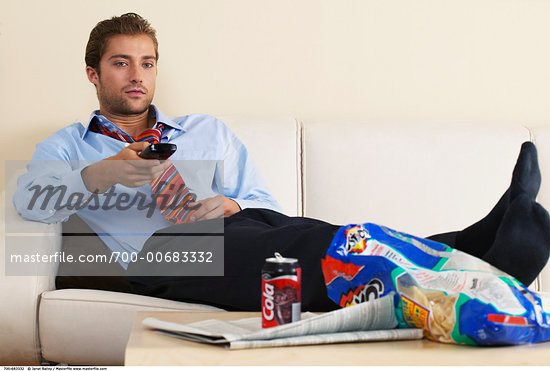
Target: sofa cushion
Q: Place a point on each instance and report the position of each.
(74, 324)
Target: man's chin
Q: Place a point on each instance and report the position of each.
(139, 111)
(133, 110)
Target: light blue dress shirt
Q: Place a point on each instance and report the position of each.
(210, 158)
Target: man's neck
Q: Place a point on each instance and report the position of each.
(134, 125)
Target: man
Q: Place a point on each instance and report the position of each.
(96, 159)
(123, 69)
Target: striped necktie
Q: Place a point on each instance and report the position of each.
(169, 189)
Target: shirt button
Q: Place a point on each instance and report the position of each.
(50, 211)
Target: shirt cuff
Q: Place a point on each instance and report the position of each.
(62, 205)
(256, 204)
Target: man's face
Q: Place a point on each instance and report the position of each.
(127, 74)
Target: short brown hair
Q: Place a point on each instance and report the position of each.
(126, 24)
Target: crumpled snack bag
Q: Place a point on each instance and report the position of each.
(453, 296)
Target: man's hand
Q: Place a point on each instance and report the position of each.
(125, 168)
(213, 207)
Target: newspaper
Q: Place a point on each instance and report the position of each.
(370, 321)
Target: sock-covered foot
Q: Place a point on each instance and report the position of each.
(522, 243)
(526, 179)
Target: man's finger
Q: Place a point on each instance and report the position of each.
(200, 211)
(153, 170)
(193, 204)
(141, 183)
(210, 209)
(216, 213)
(143, 163)
(138, 146)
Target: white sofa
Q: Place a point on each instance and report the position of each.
(422, 178)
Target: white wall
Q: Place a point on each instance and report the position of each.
(471, 60)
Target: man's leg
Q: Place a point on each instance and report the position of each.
(250, 237)
(515, 235)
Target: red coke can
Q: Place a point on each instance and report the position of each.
(281, 291)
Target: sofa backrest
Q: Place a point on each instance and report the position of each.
(275, 148)
(417, 177)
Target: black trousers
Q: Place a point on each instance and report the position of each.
(250, 236)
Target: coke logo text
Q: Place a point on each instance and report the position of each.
(268, 292)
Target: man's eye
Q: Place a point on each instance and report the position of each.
(148, 65)
(121, 64)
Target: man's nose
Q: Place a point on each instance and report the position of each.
(135, 75)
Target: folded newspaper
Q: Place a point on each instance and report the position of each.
(373, 320)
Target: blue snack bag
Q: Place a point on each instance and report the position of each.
(453, 296)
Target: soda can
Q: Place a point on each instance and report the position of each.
(281, 291)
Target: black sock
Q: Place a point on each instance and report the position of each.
(515, 235)
(526, 178)
(522, 244)
(477, 238)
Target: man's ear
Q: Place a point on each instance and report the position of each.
(92, 74)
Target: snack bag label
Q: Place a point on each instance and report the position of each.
(454, 297)
(414, 314)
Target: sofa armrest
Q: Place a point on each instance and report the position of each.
(20, 295)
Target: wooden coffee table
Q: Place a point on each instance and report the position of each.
(147, 348)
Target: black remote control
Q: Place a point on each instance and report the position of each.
(158, 151)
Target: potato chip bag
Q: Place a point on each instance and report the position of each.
(454, 297)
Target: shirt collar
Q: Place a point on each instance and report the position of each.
(155, 112)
